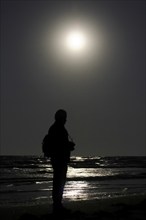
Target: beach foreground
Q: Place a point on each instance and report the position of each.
(121, 208)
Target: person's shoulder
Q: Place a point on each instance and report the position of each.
(52, 128)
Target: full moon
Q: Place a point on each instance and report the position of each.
(75, 41)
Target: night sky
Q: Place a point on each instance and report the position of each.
(102, 87)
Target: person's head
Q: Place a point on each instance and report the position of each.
(60, 116)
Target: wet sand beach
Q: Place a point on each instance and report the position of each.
(121, 208)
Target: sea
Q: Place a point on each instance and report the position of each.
(28, 179)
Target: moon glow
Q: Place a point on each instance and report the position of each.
(75, 41)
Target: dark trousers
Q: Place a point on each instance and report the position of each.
(59, 179)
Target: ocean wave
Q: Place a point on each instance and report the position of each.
(76, 162)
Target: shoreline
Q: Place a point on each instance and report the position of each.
(135, 205)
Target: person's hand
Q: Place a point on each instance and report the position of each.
(71, 145)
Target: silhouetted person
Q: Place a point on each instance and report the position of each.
(61, 148)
